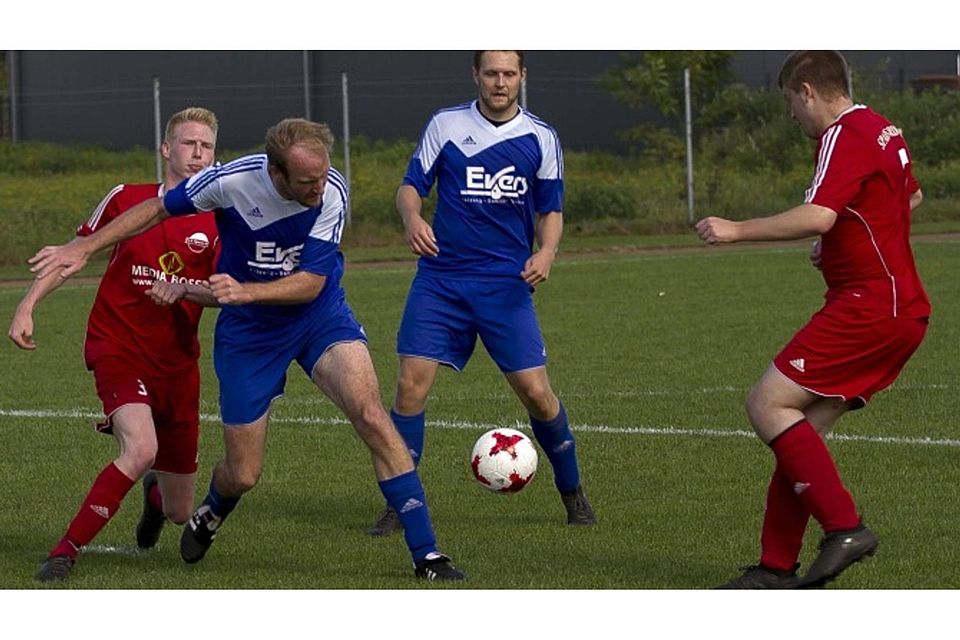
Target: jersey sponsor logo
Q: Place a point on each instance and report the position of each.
(502, 184)
(197, 242)
(799, 365)
(800, 487)
(254, 213)
(142, 390)
(142, 275)
(469, 141)
(886, 135)
(269, 259)
(171, 263)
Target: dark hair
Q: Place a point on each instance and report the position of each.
(826, 71)
(316, 136)
(478, 57)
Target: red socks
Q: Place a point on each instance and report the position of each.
(806, 481)
(784, 523)
(98, 507)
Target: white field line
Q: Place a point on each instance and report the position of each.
(479, 426)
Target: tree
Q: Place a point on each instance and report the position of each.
(654, 81)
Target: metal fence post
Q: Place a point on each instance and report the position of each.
(307, 110)
(156, 126)
(346, 138)
(13, 67)
(689, 128)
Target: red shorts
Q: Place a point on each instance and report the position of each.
(848, 352)
(174, 401)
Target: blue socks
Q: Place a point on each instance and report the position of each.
(411, 429)
(556, 440)
(405, 494)
(219, 505)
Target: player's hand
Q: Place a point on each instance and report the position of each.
(420, 238)
(537, 267)
(228, 291)
(164, 293)
(816, 254)
(713, 230)
(67, 259)
(21, 330)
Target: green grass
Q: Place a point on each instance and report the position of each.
(652, 352)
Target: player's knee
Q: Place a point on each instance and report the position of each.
(140, 457)
(411, 394)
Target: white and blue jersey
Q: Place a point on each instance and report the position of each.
(264, 236)
(491, 183)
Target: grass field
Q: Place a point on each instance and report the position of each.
(652, 352)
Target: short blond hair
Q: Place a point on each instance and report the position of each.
(315, 136)
(191, 114)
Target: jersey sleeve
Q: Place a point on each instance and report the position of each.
(548, 190)
(200, 192)
(843, 163)
(107, 210)
(422, 170)
(322, 248)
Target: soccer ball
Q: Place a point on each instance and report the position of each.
(504, 460)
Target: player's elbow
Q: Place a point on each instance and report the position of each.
(823, 220)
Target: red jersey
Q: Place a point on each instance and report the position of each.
(863, 174)
(124, 321)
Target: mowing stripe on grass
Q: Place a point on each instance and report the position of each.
(478, 426)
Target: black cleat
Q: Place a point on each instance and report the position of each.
(839, 550)
(578, 508)
(151, 521)
(198, 534)
(760, 577)
(55, 569)
(387, 523)
(436, 566)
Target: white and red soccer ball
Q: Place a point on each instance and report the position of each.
(504, 460)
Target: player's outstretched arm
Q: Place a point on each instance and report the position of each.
(21, 326)
(69, 258)
(417, 232)
(164, 293)
(297, 288)
(802, 221)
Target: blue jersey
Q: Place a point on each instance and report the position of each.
(491, 183)
(263, 236)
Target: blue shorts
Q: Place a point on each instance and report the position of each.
(251, 358)
(444, 316)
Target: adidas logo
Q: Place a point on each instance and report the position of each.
(410, 505)
(798, 364)
(255, 213)
(469, 140)
(800, 487)
(103, 512)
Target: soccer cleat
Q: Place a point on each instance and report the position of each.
(839, 550)
(151, 521)
(760, 577)
(387, 523)
(436, 566)
(578, 508)
(55, 569)
(198, 534)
